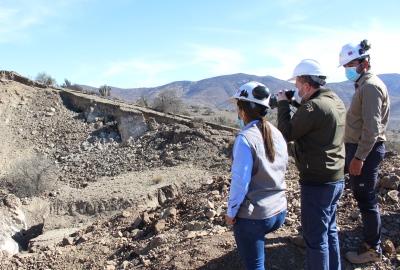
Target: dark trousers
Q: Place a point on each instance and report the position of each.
(364, 191)
(318, 220)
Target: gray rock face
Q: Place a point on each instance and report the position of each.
(390, 182)
(132, 126)
(12, 222)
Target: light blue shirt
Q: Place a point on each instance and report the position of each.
(241, 173)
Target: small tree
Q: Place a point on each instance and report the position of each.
(209, 111)
(142, 101)
(168, 101)
(105, 90)
(46, 79)
(32, 176)
(66, 84)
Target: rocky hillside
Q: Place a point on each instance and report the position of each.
(156, 202)
(214, 92)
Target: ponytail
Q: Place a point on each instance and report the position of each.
(252, 114)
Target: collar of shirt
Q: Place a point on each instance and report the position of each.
(363, 78)
(251, 123)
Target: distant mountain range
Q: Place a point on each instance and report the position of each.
(214, 92)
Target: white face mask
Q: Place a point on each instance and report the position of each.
(297, 95)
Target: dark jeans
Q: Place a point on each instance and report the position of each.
(364, 190)
(249, 236)
(318, 220)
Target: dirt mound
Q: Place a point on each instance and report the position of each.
(156, 202)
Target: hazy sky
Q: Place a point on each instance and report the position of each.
(127, 43)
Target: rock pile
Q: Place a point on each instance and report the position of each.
(185, 228)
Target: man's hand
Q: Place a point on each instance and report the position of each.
(230, 220)
(281, 95)
(355, 166)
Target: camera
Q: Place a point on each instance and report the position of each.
(273, 101)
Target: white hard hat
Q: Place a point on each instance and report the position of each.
(309, 67)
(253, 92)
(353, 51)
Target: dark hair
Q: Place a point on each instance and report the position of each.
(253, 114)
(362, 59)
(307, 79)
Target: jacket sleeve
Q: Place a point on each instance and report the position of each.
(371, 98)
(300, 124)
(242, 165)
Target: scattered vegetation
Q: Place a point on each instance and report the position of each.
(168, 102)
(90, 92)
(195, 109)
(46, 79)
(31, 176)
(209, 111)
(223, 120)
(198, 120)
(186, 112)
(69, 85)
(157, 179)
(142, 101)
(105, 90)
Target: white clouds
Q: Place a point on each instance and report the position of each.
(217, 61)
(220, 30)
(138, 72)
(323, 44)
(20, 19)
(292, 20)
(263, 39)
(137, 67)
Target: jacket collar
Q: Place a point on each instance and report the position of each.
(319, 92)
(365, 76)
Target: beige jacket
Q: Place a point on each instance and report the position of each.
(368, 115)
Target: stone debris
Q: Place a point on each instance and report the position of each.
(177, 226)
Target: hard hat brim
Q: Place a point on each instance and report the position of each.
(233, 100)
(292, 80)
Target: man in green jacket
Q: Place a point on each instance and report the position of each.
(366, 123)
(317, 129)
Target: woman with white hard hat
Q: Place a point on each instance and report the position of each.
(257, 201)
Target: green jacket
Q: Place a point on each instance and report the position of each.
(317, 129)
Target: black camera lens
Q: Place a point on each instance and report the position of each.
(289, 94)
(273, 101)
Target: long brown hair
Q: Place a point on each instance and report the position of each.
(252, 114)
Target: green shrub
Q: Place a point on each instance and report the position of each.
(46, 79)
(69, 85)
(105, 90)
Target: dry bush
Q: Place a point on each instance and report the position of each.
(157, 179)
(225, 121)
(168, 101)
(46, 79)
(209, 111)
(198, 120)
(143, 102)
(31, 176)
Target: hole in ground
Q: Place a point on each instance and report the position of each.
(23, 237)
